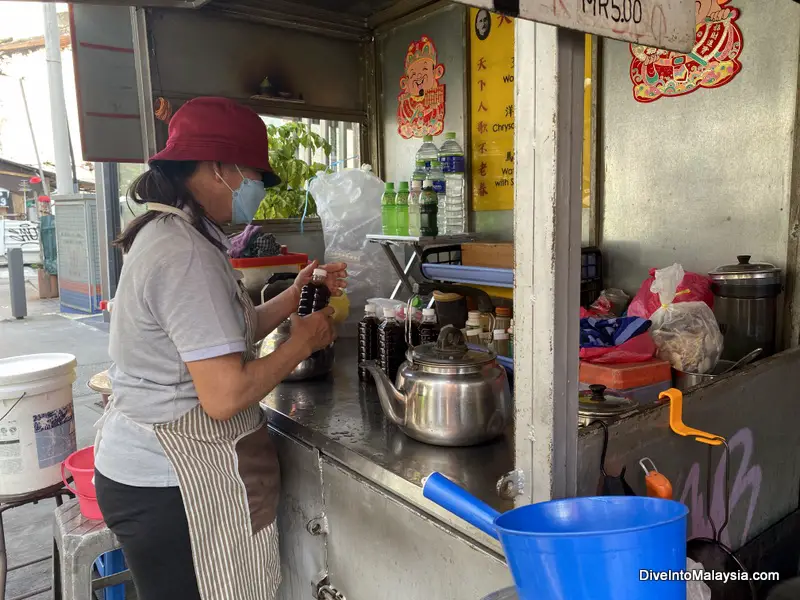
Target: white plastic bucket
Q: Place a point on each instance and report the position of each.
(37, 421)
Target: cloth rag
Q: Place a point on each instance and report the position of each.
(605, 333)
(240, 242)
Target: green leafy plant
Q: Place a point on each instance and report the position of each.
(288, 199)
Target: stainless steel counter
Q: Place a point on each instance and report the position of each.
(342, 417)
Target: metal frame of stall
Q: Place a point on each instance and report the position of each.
(549, 91)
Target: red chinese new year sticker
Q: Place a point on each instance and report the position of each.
(421, 101)
(713, 62)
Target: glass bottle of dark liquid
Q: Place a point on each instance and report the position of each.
(391, 344)
(315, 294)
(429, 328)
(367, 340)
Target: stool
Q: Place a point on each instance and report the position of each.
(77, 542)
(101, 384)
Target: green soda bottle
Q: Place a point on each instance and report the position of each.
(401, 209)
(428, 210)
(388, 213)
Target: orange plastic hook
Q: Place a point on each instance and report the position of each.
(677, 425)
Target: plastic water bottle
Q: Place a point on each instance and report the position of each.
(428, 151)
(388, 213)
(428, 209)
(420, 172)
(401, 209)
(413, 208)
(436, 175)
(451, 156)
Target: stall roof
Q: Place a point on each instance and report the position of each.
(341, 18)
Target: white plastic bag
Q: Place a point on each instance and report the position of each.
(686, 334)
(696, 590)
(349, 206)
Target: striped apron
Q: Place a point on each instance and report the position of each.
(230, 482)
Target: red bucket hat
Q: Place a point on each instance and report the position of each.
(219, 130)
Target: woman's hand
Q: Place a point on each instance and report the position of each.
(336, 279)
(316, 331)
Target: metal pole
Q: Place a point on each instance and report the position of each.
(16, 274)
(547, 246)
(58, 108)
(108, 226)
(45, 185)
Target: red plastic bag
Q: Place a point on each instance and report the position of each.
(693, 288)
(637, 349)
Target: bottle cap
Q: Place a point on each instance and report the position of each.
(403, 186)
(389, 312)
(427, 183)
(389, 187)
(428, 312)
(427, 138)
(416, 184)
(450, 135)
(370, 308)
(502, 311)
(320, 273)
(474, 314)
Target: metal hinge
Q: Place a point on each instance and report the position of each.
(511, 485)
(328, 592)
(318, 525)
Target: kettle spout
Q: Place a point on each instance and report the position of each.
(392, 401)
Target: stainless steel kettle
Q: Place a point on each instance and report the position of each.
(447, 394)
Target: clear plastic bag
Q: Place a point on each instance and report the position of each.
(696, 590)
(686, 333)
(349, 206)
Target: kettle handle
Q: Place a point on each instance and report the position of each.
(275, 277)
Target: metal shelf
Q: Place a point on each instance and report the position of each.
(407, 240)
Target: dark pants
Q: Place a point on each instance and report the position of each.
(151, 526)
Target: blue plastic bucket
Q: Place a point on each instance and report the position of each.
(594, 548)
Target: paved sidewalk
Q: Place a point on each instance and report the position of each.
(29, 528)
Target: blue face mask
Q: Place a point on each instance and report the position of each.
(246, 199)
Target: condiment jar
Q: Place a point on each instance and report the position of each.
(502, 318)
(500, 342)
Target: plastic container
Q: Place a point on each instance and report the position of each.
(81, 465)
(37, 429)
(436, 176)
(581, 548)
(388, 213)
(428, 328)
(428, 152)
(413, 208)
(625, 376)
(451, 157)
(401, 209)
(341, 307)
(315, 295)
(420, 172)
(500, 342)
(428, 210)
(367, 340)
(256, 271)
(391, 343)
(502, 318)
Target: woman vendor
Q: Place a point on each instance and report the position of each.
(187, 477)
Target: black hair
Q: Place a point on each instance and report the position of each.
(165, 182)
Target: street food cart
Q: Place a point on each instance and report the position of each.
(694, 178)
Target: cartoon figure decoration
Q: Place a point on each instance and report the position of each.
(713, 62)
(420, 103)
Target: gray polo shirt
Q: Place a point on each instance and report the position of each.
(175, 303)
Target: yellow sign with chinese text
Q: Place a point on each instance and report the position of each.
(492, 110)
